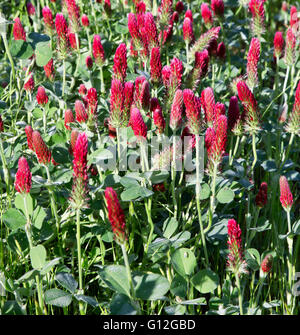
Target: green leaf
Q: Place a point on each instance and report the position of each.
(21, 49)
(179, 286)
(269, 165)
(205, 281)
(252, 257)
(43, 53)
(121, 305)
(184, 261)
(19, 203)
(115, 277)
(169, 227)
(17, 241)
(38, 256)
(60, 154)
(13, 219)
(67, 281)
(58, 297)
(175, 310)
(49, 265)
(89, 300)
(62, 176)
(130, 193)
(151, 286)
(38, 217)
(28, 276)
(204, 192)
(11, 307)
(128, 182)
(225, 196)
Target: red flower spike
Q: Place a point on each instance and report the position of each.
(252, 61)
(74, 16)
(176, 110)
(69, 118)
(200, 68)
(154, 104)
(290, 47)
(98, 51)
(166, 74)
(82, 90)
(278, 44)
(140, 7)
(48, 20)
(210, 138)
(208, 103)
(188, 32)
(41, 96)
(176, 73)
(115, 215)
(81, 114)
(216, 145)
(145, 95)
(293, 125)
(193, 112)
(72, 39)
(28, 132)
(261, 198)
(117, 116)
(128, 97)
(85, 20)
(235, 258)
(137, 123)
(80, 176)
(92, 99)
(293, 18)
(217, 7)
(233, 113)
(120, 63)
(49, 70)
(266, 264)
(18, 30)
(258, 16)
(74, 135)
(286, 196)
(159, 120)
(62, 31)
(155, 65)
(151, 31)
(206, 15)
(30, 9)
(29, 85)
(220, 109)
(250, 107)
(41, 150)
(134, 31)
(205, 41)
(164, 12)
(23, 177)
(138, 90)
(189, 14)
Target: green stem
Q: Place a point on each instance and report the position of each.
(9, 56)
(287, 152)
(290, 261)
(148, 211)
(64, 78)
(198, 199)
(238, 284)
(102, 86)
(173, 176)
(81, 307)
(254, 154)
(5, 171)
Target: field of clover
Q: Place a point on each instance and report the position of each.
(149, 157)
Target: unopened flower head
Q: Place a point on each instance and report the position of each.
(278, 44)
(261, 198)
(115, 215)
(80, 176)
(293, 124)
(120, 63)
(98, 51)
(23, 177)
(155, 65)
(193, 112)
(286, 196)
(41, 96)
(42, 151)
(48, 20)
(252, 62)
(69, 118)
(208, 104)
(206, 15)
(49, 70)
(18, 30)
